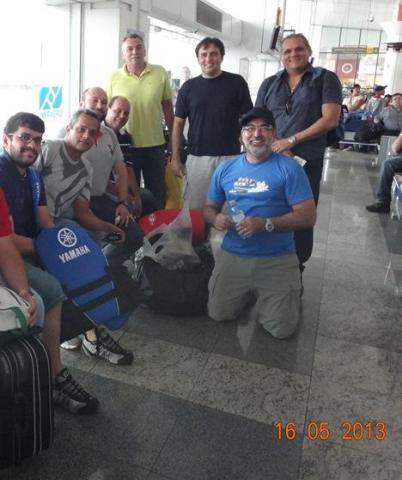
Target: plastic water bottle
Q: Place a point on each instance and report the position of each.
(235, 213)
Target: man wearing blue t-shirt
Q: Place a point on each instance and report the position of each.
(258, 253)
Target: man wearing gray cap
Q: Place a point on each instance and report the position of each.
(269, 197)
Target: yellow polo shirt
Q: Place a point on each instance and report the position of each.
(145, 94)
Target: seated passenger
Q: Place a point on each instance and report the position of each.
(22, 142)
(67, 176)
(391, 116)
(355, 100)
(375, 104)
(258, 257)
(389, 167)
(140, 200)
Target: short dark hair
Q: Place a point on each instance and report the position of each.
(133, 35)
(356, 85)
(116, 97)
(24, 119)
(299, 36)
(82, 111)
(207, 41)
(395, 94)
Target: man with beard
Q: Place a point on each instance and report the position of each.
(306, 104)
(22, 141)
(272, 193)
(68, 178)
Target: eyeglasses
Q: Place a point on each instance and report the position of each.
(27, 139)
(254, 128)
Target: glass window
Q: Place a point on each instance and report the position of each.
(350, 37)
(370, 38)
(329, 38)
(35, 53)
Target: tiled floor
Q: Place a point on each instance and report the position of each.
(201, 400)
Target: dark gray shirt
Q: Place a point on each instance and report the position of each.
(296, 111)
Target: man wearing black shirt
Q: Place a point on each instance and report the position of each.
(213, 103)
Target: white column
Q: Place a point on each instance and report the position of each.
(393, 57)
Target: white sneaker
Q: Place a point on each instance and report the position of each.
(107, 348)
(72, 344)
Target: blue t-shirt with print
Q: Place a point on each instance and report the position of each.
(266, 189)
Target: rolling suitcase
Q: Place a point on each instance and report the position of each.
(26, 404)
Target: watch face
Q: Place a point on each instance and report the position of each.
(269, 226)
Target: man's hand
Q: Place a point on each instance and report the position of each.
(222, 222)
(115, 229)
(280, 146)
(32, 310)
(136, 205)
(250, 225)
(123, 215)
(178, 168)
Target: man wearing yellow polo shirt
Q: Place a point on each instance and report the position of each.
(147, 88)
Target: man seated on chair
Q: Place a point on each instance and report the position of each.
(389, 167)
(142, 200)
(391, 116)
(22, 141)
(67, 176)
(258, 252)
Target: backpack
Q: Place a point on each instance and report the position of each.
(333, 136)
(13, 312)
(177, 292)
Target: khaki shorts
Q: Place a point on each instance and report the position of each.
(199, 173)
(275, 281)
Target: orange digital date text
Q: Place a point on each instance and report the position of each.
(323, 431)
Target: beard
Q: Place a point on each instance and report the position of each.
(259, 151)
(19, 159)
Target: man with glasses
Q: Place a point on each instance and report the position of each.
(22, 141)
(257, 256)
(212, 103)
(306, 104)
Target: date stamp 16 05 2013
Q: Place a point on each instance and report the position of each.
(322, 430)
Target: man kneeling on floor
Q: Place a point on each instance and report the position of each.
(268, 197)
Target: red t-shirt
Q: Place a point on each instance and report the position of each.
(5, 224)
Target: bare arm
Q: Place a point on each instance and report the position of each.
(329, 120)
(177, 137)
(86, 218)
(13, 270)
(213, 215)
(122, 211)
(397, 145)
(167, 107)
(303, 215)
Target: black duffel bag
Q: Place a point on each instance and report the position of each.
(177, 292)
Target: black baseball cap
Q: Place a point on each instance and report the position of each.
(379, 88)
(258, 112)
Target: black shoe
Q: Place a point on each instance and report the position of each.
(68, 394)
(378, 208)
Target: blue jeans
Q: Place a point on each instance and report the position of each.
(388, 169)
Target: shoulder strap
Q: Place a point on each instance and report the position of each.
(318, 79)
(34, 178)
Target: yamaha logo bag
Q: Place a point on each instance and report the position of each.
(74, 258)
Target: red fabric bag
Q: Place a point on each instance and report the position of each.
(148, 223)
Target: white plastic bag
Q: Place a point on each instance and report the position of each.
(171, 245)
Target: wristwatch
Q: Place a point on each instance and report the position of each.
(292, 139)
(269, 226)
(122, 202)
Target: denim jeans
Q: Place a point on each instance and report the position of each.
(389, 167)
